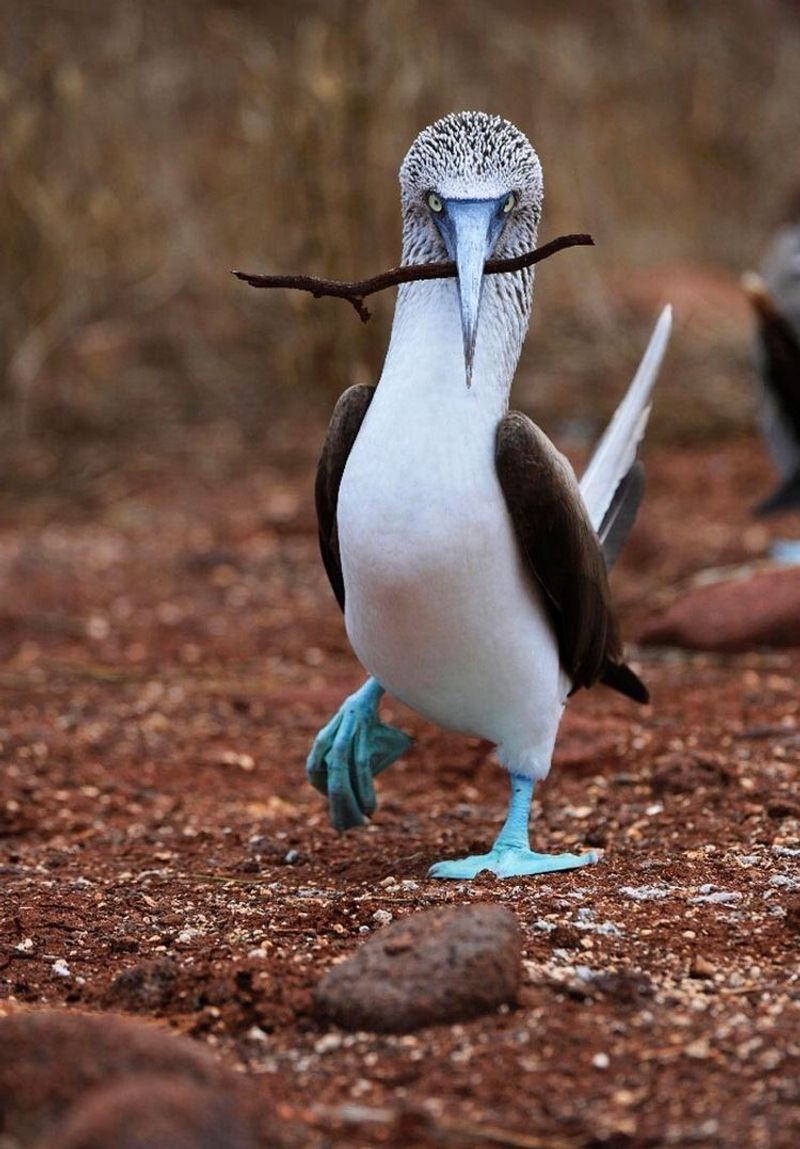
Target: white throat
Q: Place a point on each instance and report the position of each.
(426, 356)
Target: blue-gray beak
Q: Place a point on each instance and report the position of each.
(470, 229)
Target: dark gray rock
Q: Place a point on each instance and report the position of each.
(443, 965)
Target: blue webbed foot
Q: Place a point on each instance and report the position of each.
(350, 752)
(511, 862)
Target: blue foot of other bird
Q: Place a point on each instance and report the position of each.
(786, 551)
(511, 862)
(350, 752)
(511, 855)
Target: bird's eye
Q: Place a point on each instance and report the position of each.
(434, 203)
(510, 203)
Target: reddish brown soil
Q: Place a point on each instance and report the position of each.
(169, 647)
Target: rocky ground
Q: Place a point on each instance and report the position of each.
(169, 647)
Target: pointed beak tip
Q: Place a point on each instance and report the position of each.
(468, 365)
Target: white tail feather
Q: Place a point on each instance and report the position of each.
(616, 452)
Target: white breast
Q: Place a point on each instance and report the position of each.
(438, 605)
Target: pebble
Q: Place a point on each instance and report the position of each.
(145, 987)
(792, 918)
(719, 898)
(701, 968)
(442, 965)
(699, 1050)
(644, 893)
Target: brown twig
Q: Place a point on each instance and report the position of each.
(356, 292)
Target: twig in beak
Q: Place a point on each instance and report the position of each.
(356, 292)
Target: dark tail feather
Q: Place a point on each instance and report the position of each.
(621, 515)
(619, 676)
(785, 498)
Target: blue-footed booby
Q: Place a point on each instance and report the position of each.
(775, 296)
(470, 565)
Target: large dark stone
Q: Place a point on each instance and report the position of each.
(440, 966)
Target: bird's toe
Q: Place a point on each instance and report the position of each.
(345, 811)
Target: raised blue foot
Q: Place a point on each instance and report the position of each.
(511, 862)
(350, 752)
(511, 855)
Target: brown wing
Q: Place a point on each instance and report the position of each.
(346, 420)
(564, 555)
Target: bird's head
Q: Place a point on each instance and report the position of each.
(471, 187)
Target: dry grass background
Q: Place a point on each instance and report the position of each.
(147, 147)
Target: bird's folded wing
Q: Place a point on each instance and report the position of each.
(561, 549)
(346, 420)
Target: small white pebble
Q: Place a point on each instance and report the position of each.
(718, 898)
(328, 1043)
(601, 1061)
(60, 968)
(256, 1033)
(643, 893)
(382, 917)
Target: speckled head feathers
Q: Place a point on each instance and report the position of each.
(470, 155)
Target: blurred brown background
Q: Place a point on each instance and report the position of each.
(149, 147)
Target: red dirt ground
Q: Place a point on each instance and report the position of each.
(168, 648)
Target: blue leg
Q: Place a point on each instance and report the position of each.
(349, 752)
(511, 855)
